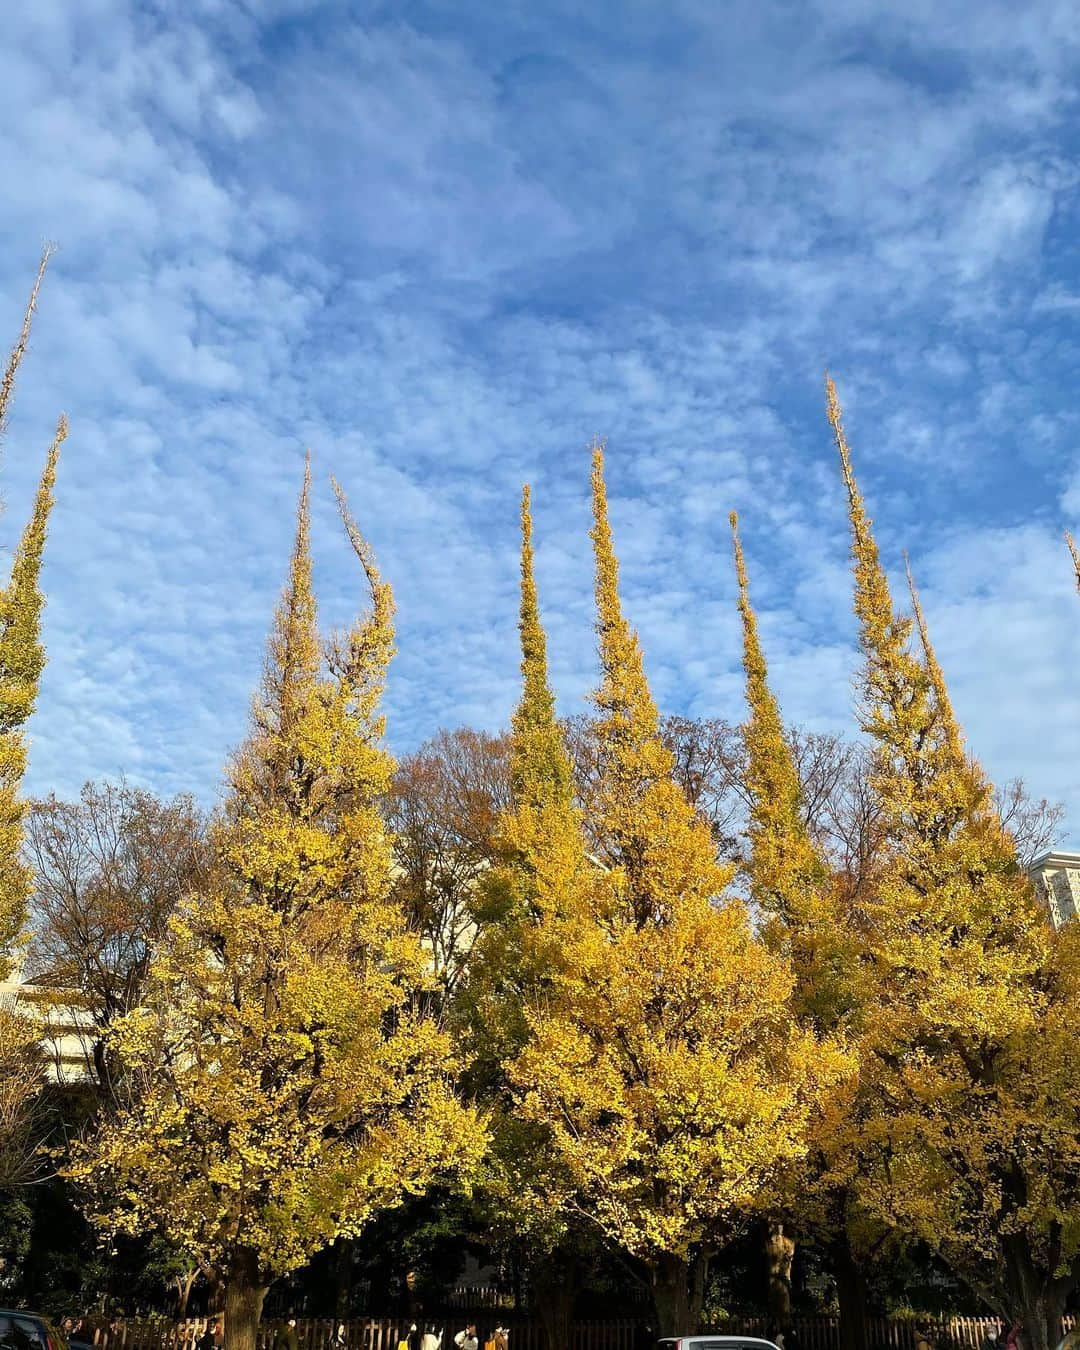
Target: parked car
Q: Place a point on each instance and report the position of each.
(714, 1343)
(20, 1330)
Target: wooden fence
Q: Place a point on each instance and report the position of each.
(526, 1333)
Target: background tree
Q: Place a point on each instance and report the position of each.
(289, 1089)
(109, 870)
(443, 810)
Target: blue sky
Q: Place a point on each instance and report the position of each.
(445, 245)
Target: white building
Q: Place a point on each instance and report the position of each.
(69, 1030)
(1057, 876)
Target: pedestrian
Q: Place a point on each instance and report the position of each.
(429, 1340)
(339, 1339)
(208, 1340)
(414, 1337)
(467, 1340)
(922, 1338)
(502, 1338)
(994, 1339)
(287, 1339)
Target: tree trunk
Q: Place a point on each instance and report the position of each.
(1037, 1297)
(779, 1254)
(678, 1292)
(699, 1274)
(554, 1284)
(343, 1255)
(185, 1282)
(850, 1296)
(244, 1294)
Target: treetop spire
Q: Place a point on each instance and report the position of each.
(624, 693)
(293, 655)
(950, 726)
(540, 766)
(7, 385)
(784, 862)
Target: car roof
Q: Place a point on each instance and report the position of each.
(718, 1339)
(22, 1312)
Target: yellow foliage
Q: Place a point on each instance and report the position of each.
(789, 880)
(664, 1060)
(531, 898)
(22, 659)
(970, 1138)
(288, 1087)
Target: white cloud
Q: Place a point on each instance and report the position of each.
(445, 258)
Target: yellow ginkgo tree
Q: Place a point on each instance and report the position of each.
(972, 1139)
(810, 916)
(527, 905)
(22, 660)
(664, 1060)
(285, 1084)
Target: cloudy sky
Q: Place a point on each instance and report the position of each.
(445, 244)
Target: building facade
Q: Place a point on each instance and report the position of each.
(1057, 878)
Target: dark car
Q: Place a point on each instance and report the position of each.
(21, 1330)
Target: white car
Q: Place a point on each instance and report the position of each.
(714, 1343)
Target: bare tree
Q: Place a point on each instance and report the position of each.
(1033, 822)
(448, 795)
(109, 869)
(444, 809)
(709, 765)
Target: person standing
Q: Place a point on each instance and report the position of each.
(429, 1340)
(287, 1339)
(466, 1340)
(210, 1339)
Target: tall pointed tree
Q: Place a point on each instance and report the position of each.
(22, 659)
(805, 920)
(286, 1084)
(975, 1145)
(664, 1060)
(790, 881)
(527, 905)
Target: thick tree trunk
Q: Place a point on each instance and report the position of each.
(678, 1292)
(779, 1254)
(699, 1274)
(343, 1253)
(554, 1285)
(244, 1294)
(850, 1296)
(1037, 1297)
